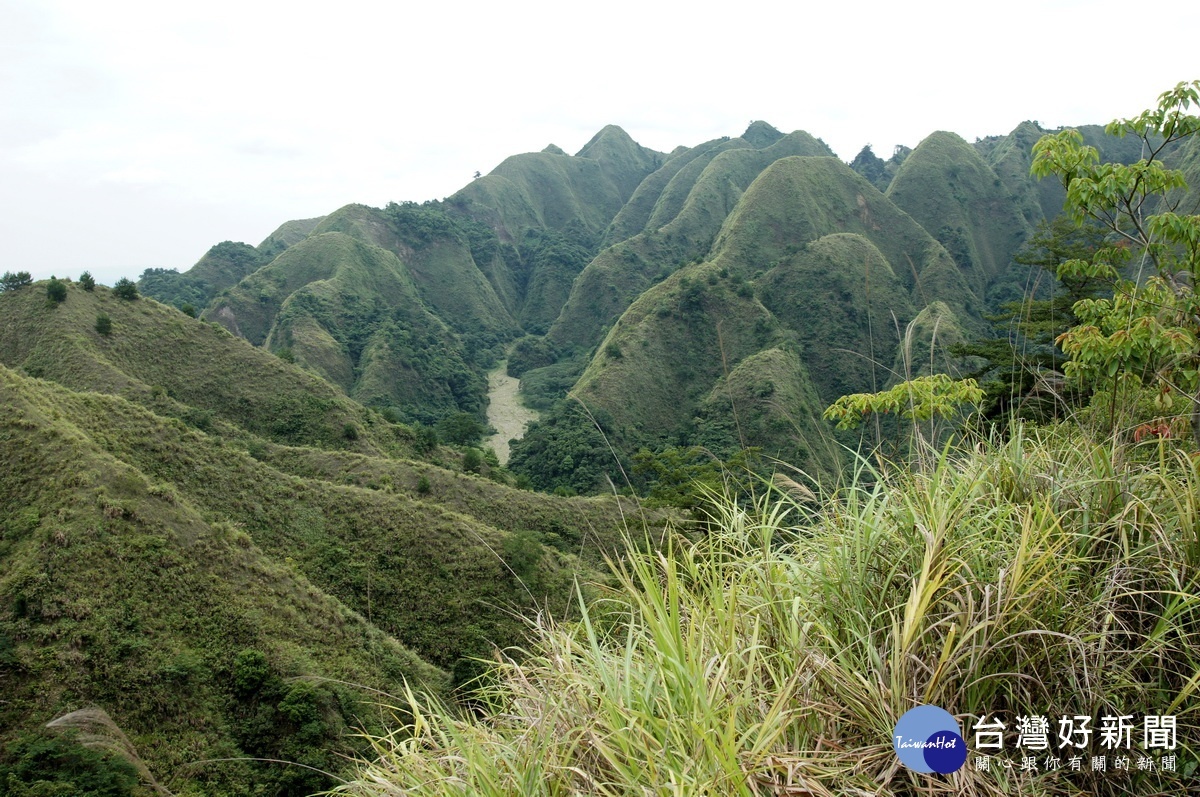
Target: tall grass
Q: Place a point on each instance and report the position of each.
(1039, 576)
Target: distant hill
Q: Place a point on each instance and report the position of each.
(687, 215)
(948, 188)
(805, 294)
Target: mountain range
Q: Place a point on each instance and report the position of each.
(756, 276)
(225, 501)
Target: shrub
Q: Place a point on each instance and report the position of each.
(87, 281)
(125, 289)
(38, 763)
(472, 461)
(423, 486)
(188, 309)
(103, 324)
(250, 671)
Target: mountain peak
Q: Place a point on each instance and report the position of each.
(610, 137)
(760, 134)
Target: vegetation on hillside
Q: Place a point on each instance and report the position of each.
(151, 545)
(1049, 574)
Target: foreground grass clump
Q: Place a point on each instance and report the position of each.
(1037, 577)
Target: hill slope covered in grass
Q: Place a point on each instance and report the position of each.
(180, 367)
(687, 215)
(145, 551)
(120, 590)
(812, 263)
(948, 188)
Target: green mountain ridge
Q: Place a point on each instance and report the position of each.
(687, 216)
(552, 249)
(814, 266)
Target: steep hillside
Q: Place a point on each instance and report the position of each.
(844, 300)
(768, 401)
(552, 190)
(634, 216)
(183, 368)
(352, 313)
(688, 214)
(668, 349)
(1010, 158)
(119, 591)
(437, 254)
(808, 290)
(949, 189)
(223, 265)
(798, 200)
(220, 268)
(1187, 160)
(287, 234)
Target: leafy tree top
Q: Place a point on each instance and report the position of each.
(921, 399)
(126, 289)
(11, 281)
(1146, 334)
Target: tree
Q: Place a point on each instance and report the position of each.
(1021, 367)
(125, 289)
(921, 399)
(12, 281)
(427, 439)
(869, 165)
(38, 763)
(56, 291)
(1145, 337)
(87, 281)
(104, 324)
(460, 428)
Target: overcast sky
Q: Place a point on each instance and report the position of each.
(137, 134)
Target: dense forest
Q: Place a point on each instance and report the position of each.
(811, 434)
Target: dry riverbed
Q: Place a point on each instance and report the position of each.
(505, 412)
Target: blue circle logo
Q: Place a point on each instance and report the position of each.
(928, 739)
